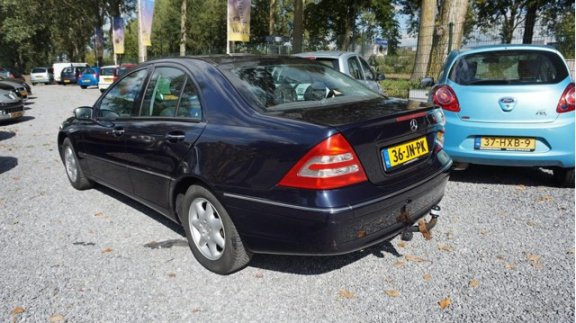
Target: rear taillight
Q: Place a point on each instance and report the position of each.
(330, 164)
(566, 102)
(445, 97)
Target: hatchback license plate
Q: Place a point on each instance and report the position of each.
(505, 143)
(405, 152)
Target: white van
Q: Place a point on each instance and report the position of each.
(58, 67)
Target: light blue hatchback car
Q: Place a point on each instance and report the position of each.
(509, 105)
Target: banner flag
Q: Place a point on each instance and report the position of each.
(239, 20)
(146, 14)
(118, 35)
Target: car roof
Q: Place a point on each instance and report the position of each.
(326, 54)
(235, 58)
(489, 48)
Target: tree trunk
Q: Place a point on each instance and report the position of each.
(529, 22)
(452, 12)
(425, 37)
(183, 12)
(298, 32)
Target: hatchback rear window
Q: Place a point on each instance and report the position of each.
(108, 71)
(509, 67)
(38, 70)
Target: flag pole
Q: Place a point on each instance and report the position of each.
(227, 28)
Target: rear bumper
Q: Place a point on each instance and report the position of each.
(269, 227)
(554, 143)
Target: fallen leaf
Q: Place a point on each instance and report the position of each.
(57, 318)
(510, 266)
(344, 293)
(393, 293)
(99, 214)
(521, 187)
(545, 198)
(474, 283)
(500, 257)
(172, 275)
(402, 244)
(484, 232)
(107, 250)
(415, 259)
(535, 261)
(195, 310)
(259, 275)
(422, 228)
(531, 223)
(445, 247)
(445, 303)
(17, 310)
(399, 264)
(427, 277)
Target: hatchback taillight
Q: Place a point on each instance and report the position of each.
(445, 97)
(566, 102)
(330, 164)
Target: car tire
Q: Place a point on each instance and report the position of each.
(33, 84)
(211, 234)
(83, 87)
(564, 177)
(73, 170)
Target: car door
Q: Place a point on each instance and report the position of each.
(169, 122)
(104, 143)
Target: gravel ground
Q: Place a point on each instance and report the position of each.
(503, 251)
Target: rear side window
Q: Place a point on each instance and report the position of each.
(332, 62)
(354, 68)
(509, 67)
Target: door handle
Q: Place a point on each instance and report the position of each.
(117, 132)
(175, 136)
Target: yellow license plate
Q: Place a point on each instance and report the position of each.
(66, 81)
(405, 152)
(505, 143)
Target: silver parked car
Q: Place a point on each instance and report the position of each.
(348, 63)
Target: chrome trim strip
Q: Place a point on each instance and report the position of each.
(335, 210)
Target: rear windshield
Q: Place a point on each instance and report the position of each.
(38, 70)
(509, 67)
(88, 71)
(285, 86)
(108, 71)
(332, 62)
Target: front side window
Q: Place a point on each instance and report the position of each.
(368, 72)
(120, 100)
(512, 67)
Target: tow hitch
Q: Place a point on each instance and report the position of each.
(423, 226)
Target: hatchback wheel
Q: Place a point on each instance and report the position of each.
(75, 174)
(212, 236)
(564, 177)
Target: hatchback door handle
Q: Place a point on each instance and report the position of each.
(175, 136)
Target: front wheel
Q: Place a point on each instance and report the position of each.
(212, 236)
(564, 177)
(83, 87)
(75, 174)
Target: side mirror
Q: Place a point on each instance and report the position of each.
(426, 82)
(380, 77)
(83, 113)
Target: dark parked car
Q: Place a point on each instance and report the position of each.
(224, 146)
(20, 88)
(11, 73)
(71, 74)
(11, 106)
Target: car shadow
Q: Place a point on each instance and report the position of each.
(301, 265)
(316, 265)
(142, 209)
(526, 176)
(27, 103)
(6, 135)
(7, 163)
(14, 121)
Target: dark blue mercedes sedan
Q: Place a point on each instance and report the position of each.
(258, 154)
